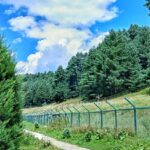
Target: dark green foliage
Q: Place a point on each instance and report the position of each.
(10, 115)
(44, 88)
(36, 125)
(74, 71)
(59, 85)
(121, 63)
(38, 89)
(66, 133)
(88, 136)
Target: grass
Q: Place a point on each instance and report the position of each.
(109, 140)
(30, 143)
(140, 98)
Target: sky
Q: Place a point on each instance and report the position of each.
(44, 34)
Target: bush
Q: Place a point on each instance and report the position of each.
(88, 136)
(36, 125)
(66, 133)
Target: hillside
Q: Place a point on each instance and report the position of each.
(140, 98)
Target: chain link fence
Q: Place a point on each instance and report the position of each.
(136, 119)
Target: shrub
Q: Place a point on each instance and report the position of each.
(66, 133)
(36, 125)
(88, 136)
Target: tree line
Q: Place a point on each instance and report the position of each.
(120, 63)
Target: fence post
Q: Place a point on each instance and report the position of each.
(55, 114)
(47, 118)
(135, 114)
(88, 113)
(116, 116)
(71, 118)
(78, 115)
(101, 114)
(44, 118)
(52, 116)
(65, 115)
(57, 110)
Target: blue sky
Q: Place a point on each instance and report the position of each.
(44, 34)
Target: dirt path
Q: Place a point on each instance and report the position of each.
(54, 142)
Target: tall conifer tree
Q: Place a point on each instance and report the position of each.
(10, 115)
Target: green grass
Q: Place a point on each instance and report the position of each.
(140, 98)
(107, 142)
(30, 143)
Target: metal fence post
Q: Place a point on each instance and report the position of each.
(100, 113)
(116, 116)
(47, 119)
(52, 115)
(58, 111)
(78, 115)
(88, 113)
(135, 114)
(71, 118)
(65, 115)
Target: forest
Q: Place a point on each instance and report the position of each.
(121, 63)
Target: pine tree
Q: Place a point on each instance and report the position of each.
(60, 85)
(10, 115)
(73, 72)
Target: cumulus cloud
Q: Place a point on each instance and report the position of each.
(69, 12)
(44, 60)
(58, 37)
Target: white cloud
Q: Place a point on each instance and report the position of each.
(17, 40)
(69, 12)
(58, 38)
(22, 23)
(43, 61)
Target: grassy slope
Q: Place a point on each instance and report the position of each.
(140, 98)
(108, 142)
(30, 143)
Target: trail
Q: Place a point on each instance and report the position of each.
(59, 144)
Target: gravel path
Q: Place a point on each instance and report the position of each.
(54, 142)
